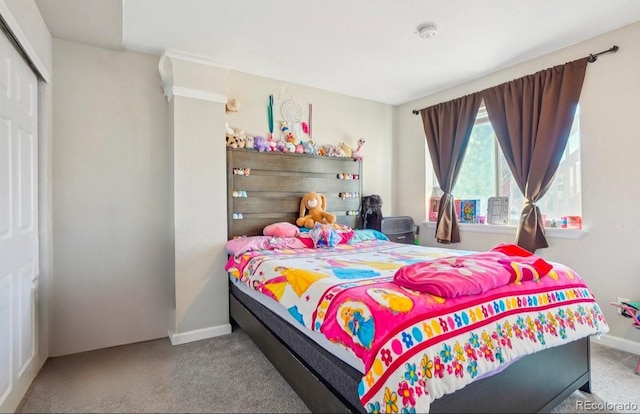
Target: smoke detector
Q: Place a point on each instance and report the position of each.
(426, 31)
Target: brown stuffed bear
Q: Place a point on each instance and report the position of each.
(312, 208)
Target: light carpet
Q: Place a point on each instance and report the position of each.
(230, 374)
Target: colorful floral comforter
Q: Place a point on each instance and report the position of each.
(416, 346)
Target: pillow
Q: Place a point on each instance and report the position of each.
(324, 235)
(524, 257)
(243, 245)
(282, 229)
(522, 262)
(367, 234)
(345, 233)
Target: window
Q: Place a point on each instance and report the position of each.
(485, 173)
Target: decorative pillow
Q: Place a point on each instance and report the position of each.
(242, 245)
(324, 235)
(345, 233)
(282, 229)
(367, 234)
(523, 264)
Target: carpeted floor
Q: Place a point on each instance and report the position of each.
(229, 374)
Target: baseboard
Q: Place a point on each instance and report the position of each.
(619, 343)
(199, 334)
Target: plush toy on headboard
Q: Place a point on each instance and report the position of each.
(312, 211)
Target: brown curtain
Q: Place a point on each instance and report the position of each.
(532, 118)
(447, 127)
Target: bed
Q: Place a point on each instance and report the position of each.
(347, 373)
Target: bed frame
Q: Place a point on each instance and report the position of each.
(274, 187)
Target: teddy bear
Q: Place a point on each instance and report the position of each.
(312, 211)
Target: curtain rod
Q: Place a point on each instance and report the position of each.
(591, 58)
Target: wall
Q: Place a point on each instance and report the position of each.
(200, 185)
(112, 199)
(336, 118)
(607, 255)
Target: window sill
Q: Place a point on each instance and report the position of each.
(552, 232)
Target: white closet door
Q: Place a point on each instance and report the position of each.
(18, 216)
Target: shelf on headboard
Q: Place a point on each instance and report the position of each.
(277, 182)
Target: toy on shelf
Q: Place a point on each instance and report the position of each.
(271, 143)
(232, 142)
(260, 144)
(357, 153)
(242, 171)
(241, 138)
(310, 147)
(346, 150)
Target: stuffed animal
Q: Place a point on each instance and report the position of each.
(346, 149)
(230, 130)
(271, 143)
(357, 153)
(241, 138)
(312, 211)
(310, 147)
(232, 142)
(260, 143)
(249, 144)
(281, 145)
(290, 147)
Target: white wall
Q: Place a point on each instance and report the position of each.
(607, 256)
(336, 118)
(112, 199)
(200, 186)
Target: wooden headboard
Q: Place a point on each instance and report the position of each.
(277, 182)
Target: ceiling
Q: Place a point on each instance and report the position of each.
(363, 48)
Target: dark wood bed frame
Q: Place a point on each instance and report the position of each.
(274, 187)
